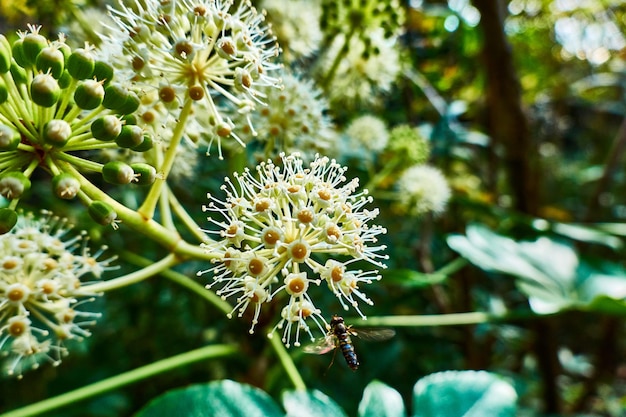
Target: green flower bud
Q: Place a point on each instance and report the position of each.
(52, 59)
(115, 97)
(4, 91)
(64, 48)
(130, 137)
(102, 213)
(65, 186)
(13, 184)
(9, 138)
(145, 174)
(8, 219)
(57, 132)
(103, 72)
(146, 145)
(33, 44)
(131, 104)
(106, 128)
(129, 119)
(18, 53)
(45, 90)
(65, 80)
(5, 55)
(81, 64)
(117, 172)
(89, 94)
(18, 74)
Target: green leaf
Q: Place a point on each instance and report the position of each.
(216, 399)
(463, 394)
(310, 404)
(410, 278)
(585, 233)
(380, 400)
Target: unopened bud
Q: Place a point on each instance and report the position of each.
(57, 132)
(145, 174)
(130, 137)
(13, 184)
(51, 59)
(106, 128)
(45, 90)
(81, 64)
(9, 138)
(117, 172)
(102, 213)
(65, 186)
(89, 94)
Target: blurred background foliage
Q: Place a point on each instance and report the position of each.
(568, 58)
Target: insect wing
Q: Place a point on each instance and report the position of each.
(373, 334)
(322, 345)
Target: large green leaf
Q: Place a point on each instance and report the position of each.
(310, 404)
(380, 400)
(463, 394)
(216, 399)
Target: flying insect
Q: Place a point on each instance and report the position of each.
(339, 335)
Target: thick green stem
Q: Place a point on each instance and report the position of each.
(183, 281)
(149, 205)
(454, 319)
(121, 380)
(136, 276)
(285, 360)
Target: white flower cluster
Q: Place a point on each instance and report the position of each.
(41, 287)
(204, 50)
(287, 229)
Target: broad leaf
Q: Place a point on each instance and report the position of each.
(216, 399)
(463, 394)
(310, 404)
(410, 278)
(380, 400)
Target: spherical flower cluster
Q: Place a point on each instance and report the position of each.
(294, 119)
(361, 16)
(368, 132)
(287, 230)
(422, 189)
(296, 24)
(42, 272)
(198, 50)
(55, 103)
(407, 145)
(367, 69)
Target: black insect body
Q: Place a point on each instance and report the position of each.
(339, 335)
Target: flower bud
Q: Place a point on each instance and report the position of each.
(130, 137)
(102, 213)
(144, 146)
(13, 184)
(52, 59)
(117, 172)
(81, 64)
(129, 119)
(145, 174)
(115, 97)
(18, 74)
(5, 55)
(89, 94)
(65, 80)
(4, 91)
(103, 72)
(57, 132)
(45, 90)
(9, 138)
(65, 186)
(17, 50)
(8, 219)
(106, 128)
(131, 104)
(33, 44)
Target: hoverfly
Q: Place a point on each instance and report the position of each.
(339, 336)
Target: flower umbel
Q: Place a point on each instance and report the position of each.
(42, 271)
(288, 228)
(200, 50)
